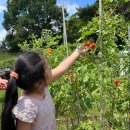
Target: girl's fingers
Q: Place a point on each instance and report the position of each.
(4, 88)
(85, 49)
(3, 84)
(5, 81)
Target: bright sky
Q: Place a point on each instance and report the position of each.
(70, 5)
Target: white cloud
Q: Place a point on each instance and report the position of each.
(2, 8)
(71, 7)
(2, 34)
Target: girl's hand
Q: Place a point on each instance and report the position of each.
(3, 84)
(83, 50)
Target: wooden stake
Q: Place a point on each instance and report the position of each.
(64, 29)
(101, 71)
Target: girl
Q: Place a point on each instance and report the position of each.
(3, 84)
(35, 109)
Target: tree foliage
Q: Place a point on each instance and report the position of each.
(124, 9)
(26, 17)
(79, 20)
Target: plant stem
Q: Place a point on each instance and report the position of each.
(129, 76)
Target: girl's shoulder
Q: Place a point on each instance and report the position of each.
(27, 101)
(25, 110)
(32, 101)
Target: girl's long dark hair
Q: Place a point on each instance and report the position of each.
(11, 97)
(31, 69)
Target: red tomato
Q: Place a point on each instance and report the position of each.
(93, 45)
(116, 82)
(87, 44)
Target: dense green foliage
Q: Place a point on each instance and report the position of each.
(77, 94)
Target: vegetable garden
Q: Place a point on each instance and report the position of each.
(95, 93)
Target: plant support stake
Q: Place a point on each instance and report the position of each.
(64, 29)
(101, 73)
(129, 74)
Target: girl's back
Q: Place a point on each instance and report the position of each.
(41, 113)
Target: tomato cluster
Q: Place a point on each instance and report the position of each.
(88, 44)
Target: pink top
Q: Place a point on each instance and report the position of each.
(40, 113)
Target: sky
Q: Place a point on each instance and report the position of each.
(70, 5)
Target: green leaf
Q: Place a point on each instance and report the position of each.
(126, 0)
(86, 78)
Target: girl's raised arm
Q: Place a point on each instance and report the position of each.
(67, 63)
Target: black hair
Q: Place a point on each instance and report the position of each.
(30, 67)
(5, 73)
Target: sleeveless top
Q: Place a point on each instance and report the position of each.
(40, 113)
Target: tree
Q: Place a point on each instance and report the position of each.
(79, 20)
(26, 17)
(124, 9)
(88, 12)
(73, 26)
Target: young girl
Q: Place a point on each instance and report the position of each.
(35, 109)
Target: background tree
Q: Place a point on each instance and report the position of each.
(124, 8)
(26, 17)
(79, 20)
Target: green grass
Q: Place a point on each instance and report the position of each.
(6, 58)
(6, 55)
(1, 96)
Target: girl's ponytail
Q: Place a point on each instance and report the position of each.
(11, 98)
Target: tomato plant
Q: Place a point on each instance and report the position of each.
(77, 92)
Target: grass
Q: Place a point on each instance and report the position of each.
(2, 94)
(6, 57)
